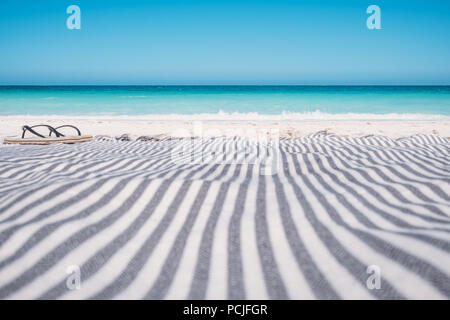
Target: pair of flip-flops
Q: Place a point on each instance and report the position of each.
(40, 138)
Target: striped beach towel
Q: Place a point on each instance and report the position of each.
(317, 217)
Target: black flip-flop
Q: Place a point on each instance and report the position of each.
(41, 139)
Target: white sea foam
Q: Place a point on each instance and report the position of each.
(251, 116)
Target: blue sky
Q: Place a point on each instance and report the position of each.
(224, 42)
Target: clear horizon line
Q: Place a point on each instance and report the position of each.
(225, 85)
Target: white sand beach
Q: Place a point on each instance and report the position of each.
(10, 126)
(307, 217)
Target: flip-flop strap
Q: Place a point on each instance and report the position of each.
(64, 126)
(26, 128)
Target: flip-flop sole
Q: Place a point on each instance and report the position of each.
(74, 139)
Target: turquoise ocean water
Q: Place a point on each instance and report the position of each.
(219, 101)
